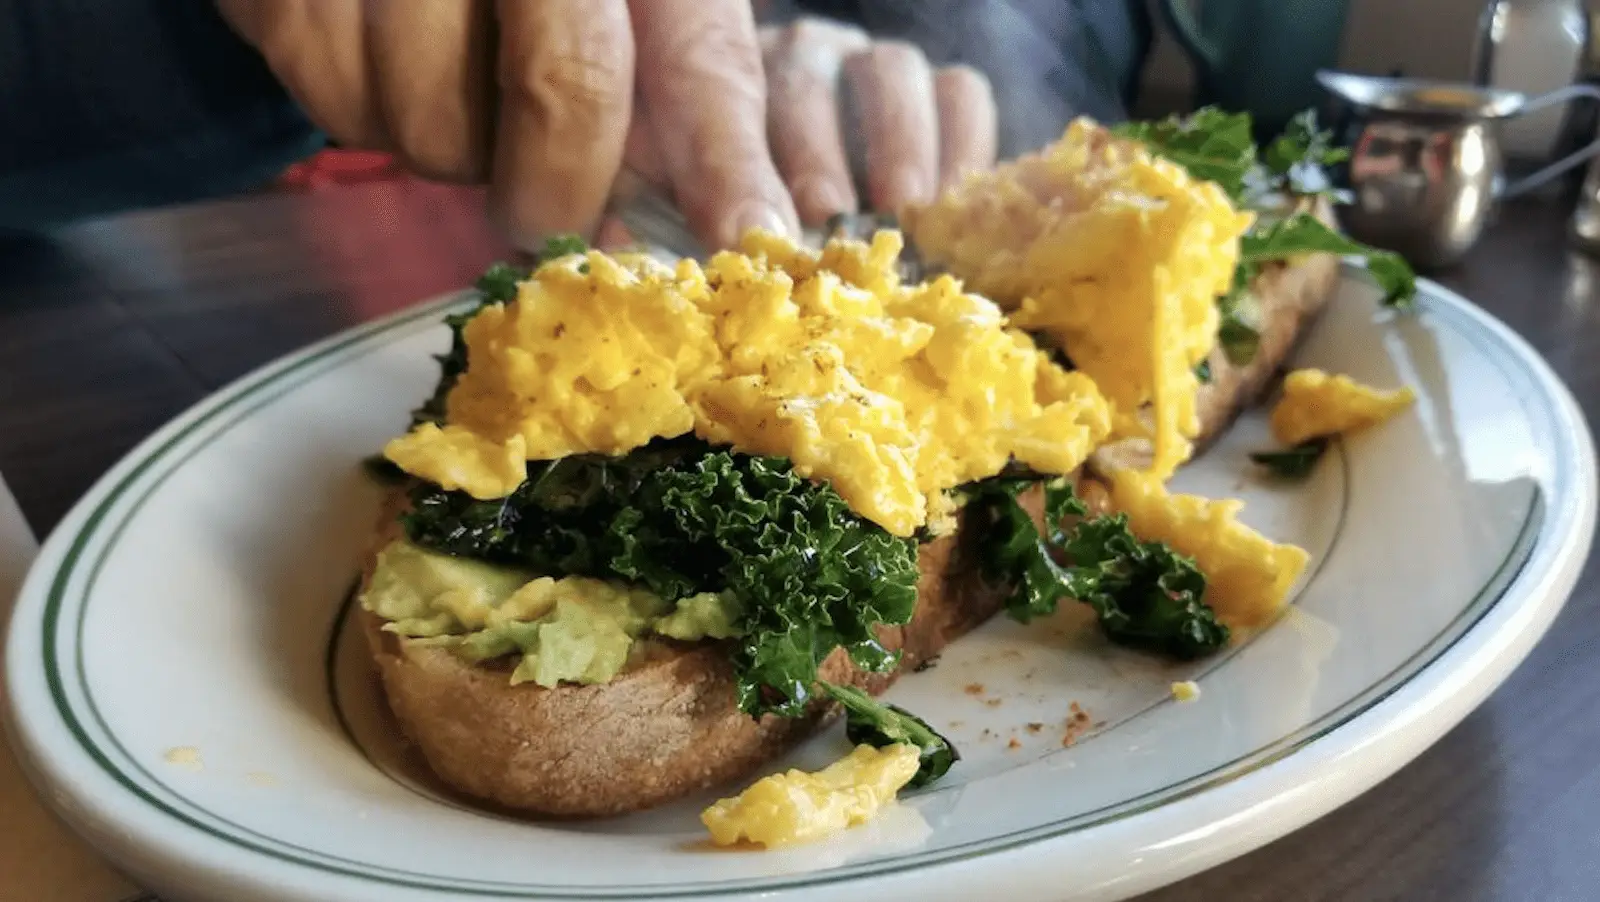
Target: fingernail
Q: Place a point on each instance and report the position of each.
(907, 186)
(753, 216)
(821, 198)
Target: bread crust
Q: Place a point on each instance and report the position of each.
(668, 725)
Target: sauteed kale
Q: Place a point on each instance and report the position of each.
(679, 517)
(878, 724)
(1144, 594)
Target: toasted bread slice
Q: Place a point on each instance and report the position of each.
(1291, 297)
(668, 725)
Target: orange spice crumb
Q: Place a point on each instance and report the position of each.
(1035, 727)
(1077, 723)
(1013, 744)
(973, 689)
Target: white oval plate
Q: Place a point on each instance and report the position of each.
(184, 695)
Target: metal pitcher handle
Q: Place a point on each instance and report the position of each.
(1560, 95)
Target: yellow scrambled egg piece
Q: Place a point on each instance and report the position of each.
(796, 806)
(1315, 404)
(1248, 577)
(1115, 254)
(892, 394)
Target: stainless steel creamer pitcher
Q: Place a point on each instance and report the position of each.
(1425, 161)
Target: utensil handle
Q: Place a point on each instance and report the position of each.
(1559, 95)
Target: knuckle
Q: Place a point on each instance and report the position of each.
(809, 31)
(963, 79)
(578, 83)
(725, 48)
(899, 53)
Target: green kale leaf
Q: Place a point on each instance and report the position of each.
(1303, 142)
(562, 245)
(878, 724)
(1209, 143)
(1293, 463)
(498, 284)
(1218, 147)
(1297, 160)
(1236, 328)
(383, 470)
(1144, 594)
(1016, 554)
(680, 518)
(1304, 233)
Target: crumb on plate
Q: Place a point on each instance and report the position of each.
(1076, 725)
(186, 757)
(1186, 690)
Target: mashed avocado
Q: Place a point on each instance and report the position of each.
(573, 629)
(709, 615)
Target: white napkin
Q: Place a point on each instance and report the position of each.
(39, 858)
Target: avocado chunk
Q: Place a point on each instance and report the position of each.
(567, 630)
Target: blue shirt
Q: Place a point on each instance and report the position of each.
(111, 105)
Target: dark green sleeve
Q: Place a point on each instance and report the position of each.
(108, 105)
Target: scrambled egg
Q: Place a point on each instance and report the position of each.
(1316, 404)
(1115, 254)
(797, 807)
(892, 394)
(1248, 577)
(1186, 691)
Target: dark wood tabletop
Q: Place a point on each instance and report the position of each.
(109, 329)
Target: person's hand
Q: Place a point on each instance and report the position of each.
(539, 99)
(921, 128)
(910, 130)
(531, 96)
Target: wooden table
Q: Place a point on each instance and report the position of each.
(111, 328)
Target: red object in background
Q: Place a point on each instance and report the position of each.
(340, 167)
